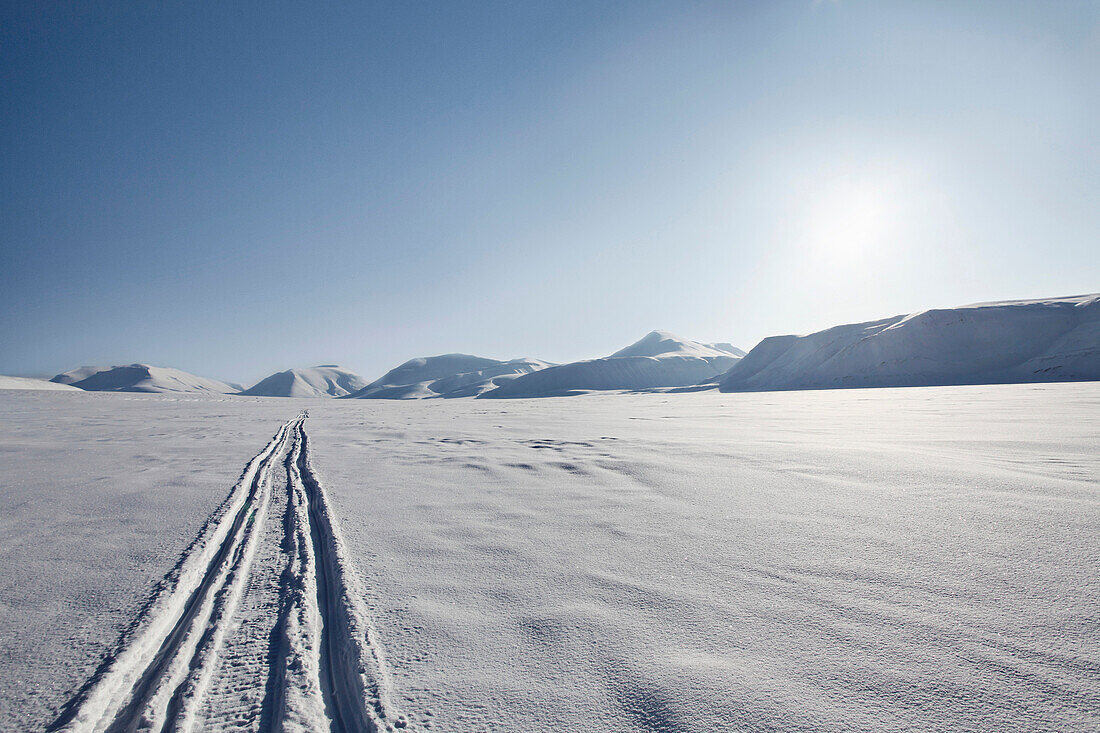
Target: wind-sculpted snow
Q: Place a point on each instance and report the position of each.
(1052, 340)
(660, 359)
(145, 378)
(28, 383)
(320, 381)
(449, 375)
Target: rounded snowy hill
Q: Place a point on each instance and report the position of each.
(146, 378)
(1050, 340)
(29, 383)
(659, 359)
(447, 375)
(75, 375)
(327, 380)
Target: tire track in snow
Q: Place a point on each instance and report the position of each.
(329, 633)
(325, 668)
(142, 686)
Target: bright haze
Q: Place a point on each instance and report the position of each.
(234, 189)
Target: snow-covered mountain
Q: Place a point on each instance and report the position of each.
(448, 375)
(75, 375)
(145, 378)
(727, 347)
(662, 343)
(660, 359)
(327, 380)
(29, 383)
(1050, 340)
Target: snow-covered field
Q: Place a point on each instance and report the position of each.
(889, 559)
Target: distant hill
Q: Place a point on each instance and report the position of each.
(659, 359)
(1050, 340)
(447, 375)
(327, 380)
(663, 343)
(28, 383)
(146, 378)
(75, 375)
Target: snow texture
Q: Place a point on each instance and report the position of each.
(145, 378)
(448, 375)
(1051, 340)
(101, 495)
(660, 359)
(328, 380)
(189, 646)
(889, 559)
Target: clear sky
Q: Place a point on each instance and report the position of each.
(236, 188)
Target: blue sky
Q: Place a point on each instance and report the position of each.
(239, 188)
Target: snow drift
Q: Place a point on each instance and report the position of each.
(327, 380)
(29, 383)
(660, 359)
(447, 375)
(145, 378)
(1050, 340)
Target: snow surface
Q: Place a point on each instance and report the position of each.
(101, 494)
(914, 559)
(659, 359)
(145, 378)
(327, 380)
(448, 375)
(29, 383)
(1049, 340)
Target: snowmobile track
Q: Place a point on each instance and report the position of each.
(352, 668)
(325, 670)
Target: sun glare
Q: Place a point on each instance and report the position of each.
(848, 217)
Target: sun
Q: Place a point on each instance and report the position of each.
(847, 217)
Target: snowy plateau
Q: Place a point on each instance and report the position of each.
(920, 559)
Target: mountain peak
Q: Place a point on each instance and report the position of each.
(660, 343)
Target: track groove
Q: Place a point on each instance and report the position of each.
(317, 667)
(352, 668)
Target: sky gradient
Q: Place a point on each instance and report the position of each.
(234, 189)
